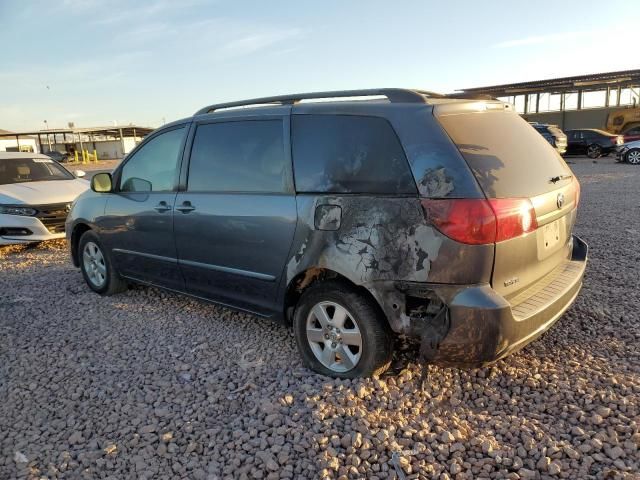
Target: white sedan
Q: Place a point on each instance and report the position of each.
(35, 196)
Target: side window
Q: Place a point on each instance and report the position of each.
(239, 156)
(153, 167)
(349, 154)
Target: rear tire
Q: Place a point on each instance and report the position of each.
(97, 267)
(594, 150)
(633, 156)
(341, 332)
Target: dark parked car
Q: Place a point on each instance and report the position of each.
(553, 135)
(349, 221)
(58, 156)
(592, 142)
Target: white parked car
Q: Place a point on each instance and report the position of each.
(35, 196)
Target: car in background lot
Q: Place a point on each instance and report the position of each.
(349, 221)
(632, 134)
(629, 152)
(35, 197)
(592, 142)
(58, 156)
(552, 134)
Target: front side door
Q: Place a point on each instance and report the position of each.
(235, 221)
(138, 220)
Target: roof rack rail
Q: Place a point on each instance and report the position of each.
(470, 96)
(395, 95)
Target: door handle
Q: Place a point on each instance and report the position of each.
(186, 207)
(162, 207)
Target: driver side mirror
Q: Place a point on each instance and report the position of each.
(79, 173)
(102, 183)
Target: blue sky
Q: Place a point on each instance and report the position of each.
(94, 62)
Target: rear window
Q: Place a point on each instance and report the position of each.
(507, 157)
(349, 154)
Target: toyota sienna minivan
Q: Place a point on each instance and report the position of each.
(350, 216)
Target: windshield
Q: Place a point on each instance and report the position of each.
(23, 170)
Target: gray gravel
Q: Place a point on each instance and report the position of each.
(153, 385)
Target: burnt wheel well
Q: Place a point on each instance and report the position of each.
(313, 276)
(77, 232)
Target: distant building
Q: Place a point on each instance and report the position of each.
(583, 101)
(13, 142)
(109, 142)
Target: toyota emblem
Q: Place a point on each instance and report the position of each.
(560, 200)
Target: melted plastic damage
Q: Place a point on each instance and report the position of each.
(382, 244)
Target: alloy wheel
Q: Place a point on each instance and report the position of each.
(594, 151)
(94, 264)
(633, 157)
(334, 336)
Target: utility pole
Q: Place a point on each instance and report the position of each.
(46, 124)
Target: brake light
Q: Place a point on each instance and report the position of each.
(515, 217)
(481, 221)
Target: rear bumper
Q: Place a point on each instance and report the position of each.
(485, 327)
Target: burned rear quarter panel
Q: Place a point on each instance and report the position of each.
(378, 241)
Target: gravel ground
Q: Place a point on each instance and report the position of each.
(149, 384)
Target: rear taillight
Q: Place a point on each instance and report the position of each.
(480, 221)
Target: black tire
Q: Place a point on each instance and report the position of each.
(633, 158)
(376, 336)
(112, 283)
(594, 150)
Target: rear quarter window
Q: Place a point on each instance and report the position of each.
(349, 154)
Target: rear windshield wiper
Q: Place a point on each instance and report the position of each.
(557, 178)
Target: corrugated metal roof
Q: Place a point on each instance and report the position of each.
(127, 131)
(624, 77)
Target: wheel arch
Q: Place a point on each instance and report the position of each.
(313, 276)
(77, 232)
(627, 155)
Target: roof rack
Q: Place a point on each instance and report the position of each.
(395, 95)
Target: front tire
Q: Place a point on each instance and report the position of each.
(594, 151)
(341, 332)
(96, 266)
(633, 156)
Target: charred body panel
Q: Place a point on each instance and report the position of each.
(385, 245)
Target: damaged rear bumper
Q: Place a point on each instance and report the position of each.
(482, 326)
(485, 327)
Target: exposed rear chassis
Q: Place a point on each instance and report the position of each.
(476, 326)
